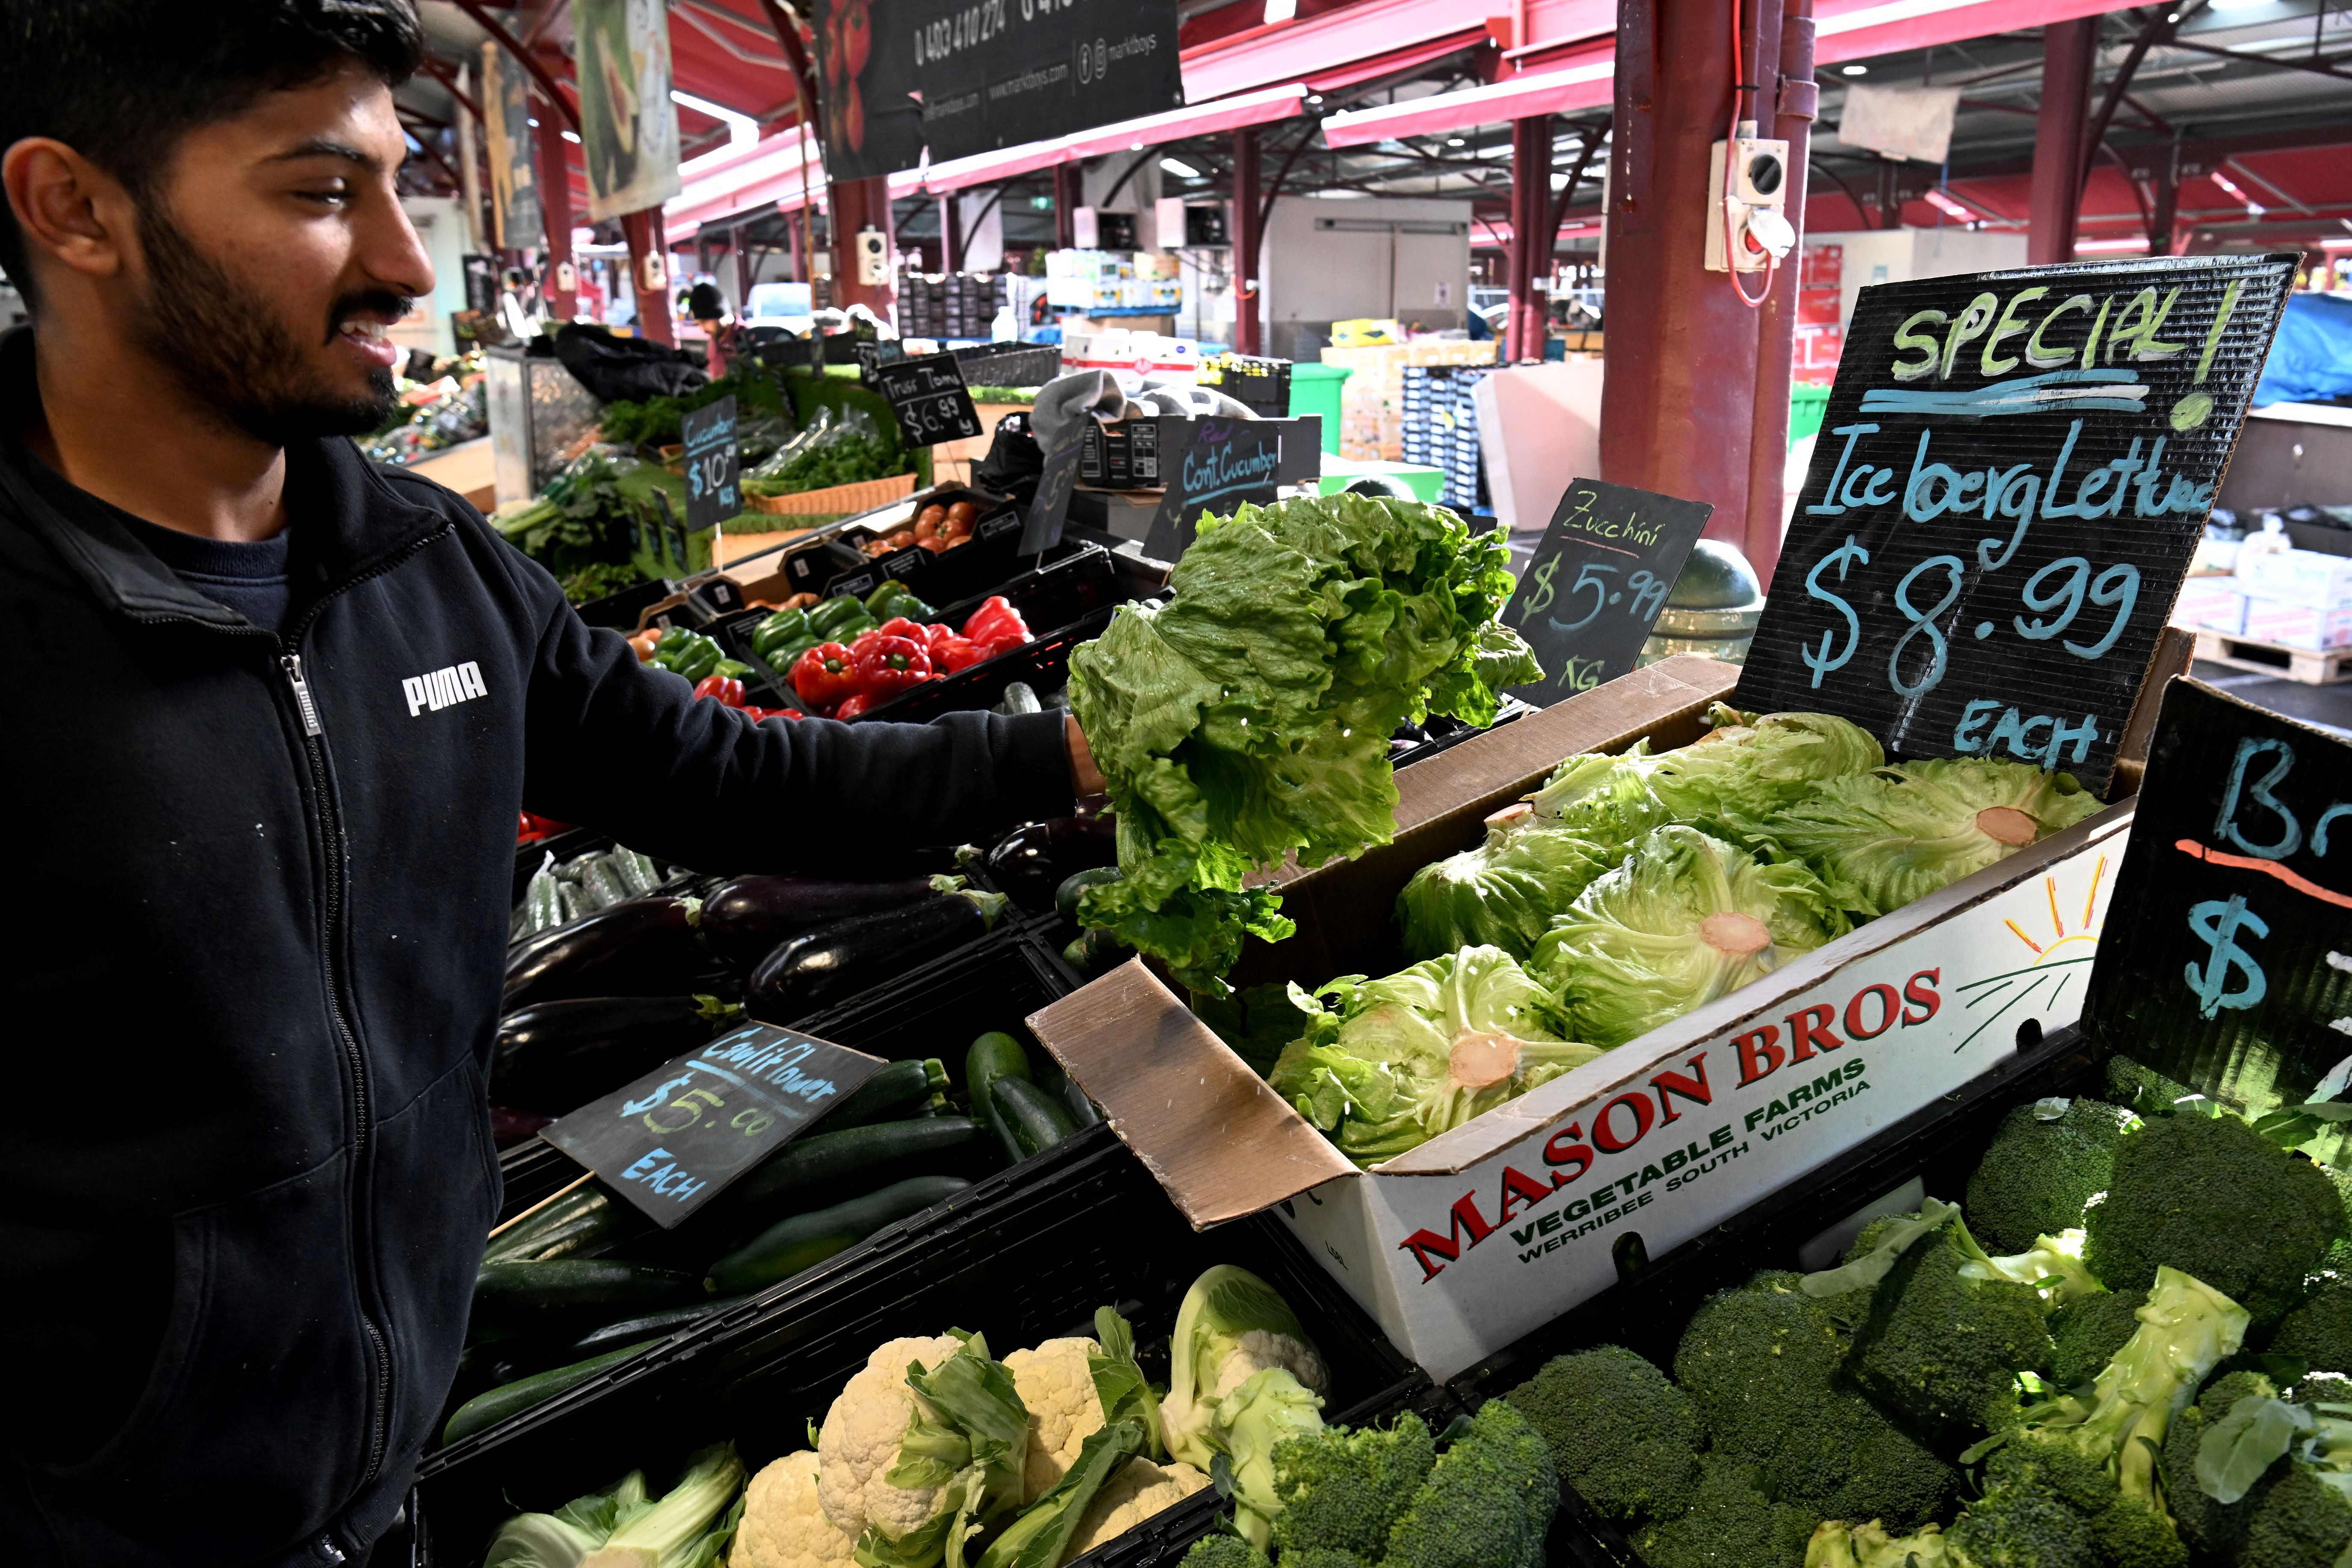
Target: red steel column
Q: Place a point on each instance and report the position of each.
(1678, 404)
(1249, 306)
(1776, 343)
(2056, 202)
(555, 175)
(858, 204)
(1068, 194)
(643, 230)
(951, 232)
(1531, 240)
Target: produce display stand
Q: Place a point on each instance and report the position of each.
(1020, 1260)
(1443, 1245)
(1803, 1225)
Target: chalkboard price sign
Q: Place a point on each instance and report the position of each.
(1050, 508)
(2012, 473)
(927, 394)
(1211, 465)
(672, 1141)
(1597, 581)
(2222, 965)
(712, 458)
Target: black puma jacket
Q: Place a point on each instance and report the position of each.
(261, 901)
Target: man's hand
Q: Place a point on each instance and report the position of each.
(1084, 775)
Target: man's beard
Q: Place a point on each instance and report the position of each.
(225, 345)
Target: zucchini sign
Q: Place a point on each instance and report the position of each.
(673, 1140)
(1597, 582)
(2012, 474)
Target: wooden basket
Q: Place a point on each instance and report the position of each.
(836, 500)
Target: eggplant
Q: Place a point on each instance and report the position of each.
(1035, 859)
(557, 1055)
(820, 967)
(747, 918)
(639, 947)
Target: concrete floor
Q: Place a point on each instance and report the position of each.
(2327, 707)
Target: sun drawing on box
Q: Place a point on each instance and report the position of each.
(2058, 953)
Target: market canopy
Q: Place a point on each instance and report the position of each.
(1150, 131)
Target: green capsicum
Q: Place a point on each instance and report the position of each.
(780, 630)
(834, 616)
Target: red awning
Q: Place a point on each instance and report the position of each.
(1194, 119)
(1396, 62)
(1560, 88)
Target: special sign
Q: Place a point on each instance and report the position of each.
(2013, 470)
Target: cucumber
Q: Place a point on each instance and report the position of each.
(789, 1246)
(1034, 1117)
(581, 1224)
(1066, 897)
(835, 1161)
(993, 1056)
(1083, 1111)
(635, 1330)
(894, 1089)
(1094, 950)
(486, 1410)
(505, 1292)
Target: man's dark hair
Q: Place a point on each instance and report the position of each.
(120, 81)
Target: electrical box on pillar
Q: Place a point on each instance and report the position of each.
(655, 275)
(873, 257)
(1753, 227)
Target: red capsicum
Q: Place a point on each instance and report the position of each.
(890, 666)
(950, 654)
(853, 706)
(995, 620)
(826, 674)
(725, 688)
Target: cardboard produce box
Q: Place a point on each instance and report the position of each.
(1463, 1244)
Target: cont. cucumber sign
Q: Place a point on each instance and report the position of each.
(2012, 474)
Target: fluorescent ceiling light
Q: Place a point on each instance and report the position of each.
(740, 127)
(2236, 5)
(1949, 207)
(1450, 141)
(532, 123)
(1338, 196)
(1314, 98)
(570, 136)
(1180, 169)
(1559, 180)
(1281, 10)
(1853, 70)
(2092, 247)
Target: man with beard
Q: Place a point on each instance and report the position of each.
(249, 1168)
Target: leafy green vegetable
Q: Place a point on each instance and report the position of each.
(1502, 894)
(1882, 839)
(1685, 919)
(1403, 1060)
(1748, 764)
(688, 1527)
(605, 522)
(1250, 717)
(840, 447)
(657, 421)
(1121, 1388)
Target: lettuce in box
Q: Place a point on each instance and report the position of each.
(1880, 840)
(1393, 1063)
(1249, 718)
(1684, 920)
(1505, 892)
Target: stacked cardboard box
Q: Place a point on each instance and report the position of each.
(2298, 599)
(1440, 428)
(1371, 403)
(949, 305)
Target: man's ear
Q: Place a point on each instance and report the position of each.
(69, 209)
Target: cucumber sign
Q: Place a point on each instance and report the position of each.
(673, 1140)
(2012, 473)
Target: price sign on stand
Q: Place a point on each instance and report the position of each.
(2226, 960)
(712, 492)
(1209, 466)
(672, 1141)
(928, 395)
(2012, 473)
(1050, 508)
(1597, 582)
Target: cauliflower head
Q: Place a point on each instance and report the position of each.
(1141, 1492)
(785, 1526)
(859, 1443)
(1259, 1349)
(1056, 1382)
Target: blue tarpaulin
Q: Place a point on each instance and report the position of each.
(2311, 359)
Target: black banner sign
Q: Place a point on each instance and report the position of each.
(672, 1141)
(2226, 961)
(2012, 473)
(712, 459)
(1597, 582)
(971, 76)
(1209, 466)
(928, 395)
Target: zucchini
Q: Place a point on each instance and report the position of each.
(832, 1161)
(1083, 1113)
(1034, 1117)
(896, 1088)
(511, 1290)
(1094, 950)
(579, 1224)
(637, 1331)
(789, 1246)
(993, 1056)
(1066, 897)
(486, 1410)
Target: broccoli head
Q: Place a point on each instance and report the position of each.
(1487, 1502)
(2319, 1332)
(1623, 1437)
(2215, 1528)
(1224, 1551)
(2211, 1197)
(1731, 1523)
(2045, 1165)
(2304, 1521)
(2085, 1335)
(1342, 1491)
(1320, 1557)
(1944, 1342)
(2142, 1090)
(2021, 1527)
(1840, 1545)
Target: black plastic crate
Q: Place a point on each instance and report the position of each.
(1022, 1260)
(1009, 364)
(1804, 1225)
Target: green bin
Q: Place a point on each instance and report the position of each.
(1806, 406)
(1315, 389)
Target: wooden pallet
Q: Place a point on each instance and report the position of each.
(2269, 658)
